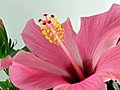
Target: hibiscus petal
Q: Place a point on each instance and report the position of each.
(70, 43)
(5, 63)
(37, 43)
(109, 65)
(97, 34)
(93, 82)
(71, 49)
(30, 60)
(31, 79)
(52, 53)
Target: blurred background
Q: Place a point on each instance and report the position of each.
(15, 13)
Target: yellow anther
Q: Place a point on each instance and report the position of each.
(44, 32)
(50, 41)
(58, 25)
(55, 20)
(47, 37)
(60, 29)
(52, 30)
(51, 34)
(60, 32)
(54, 39)
(42, 27)
(61, 37)
(48, 30)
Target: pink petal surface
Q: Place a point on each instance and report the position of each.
(30, 60)
(97, 34)
(109, 65)
(36, 42)
(94, 82)
(70, 43)
(31, 79)
(5, 63)
(70, 48)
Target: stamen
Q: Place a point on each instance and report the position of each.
(54, 33)
(51, 28)
(46, 16)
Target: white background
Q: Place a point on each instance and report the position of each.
(15, 13)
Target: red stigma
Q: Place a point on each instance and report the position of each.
(45, 14)
(39, 20)
(49, 22)
(52, 16)
(44, 23)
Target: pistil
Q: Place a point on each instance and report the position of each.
(54, 33)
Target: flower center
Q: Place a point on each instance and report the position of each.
(52, 29)
(54, 33)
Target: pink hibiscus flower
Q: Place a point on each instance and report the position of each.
(62, 60)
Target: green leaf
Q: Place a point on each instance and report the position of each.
(109, 85)
(3, 35)
(7, 85)
(13, 52)
(10, 42)
(6, 48)
(1, 24)
(118, 40)
(3, 44)
(112, 85)
(11, 45)
(6, 71)
(116, 85)
(25, 49)
(3, 51)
